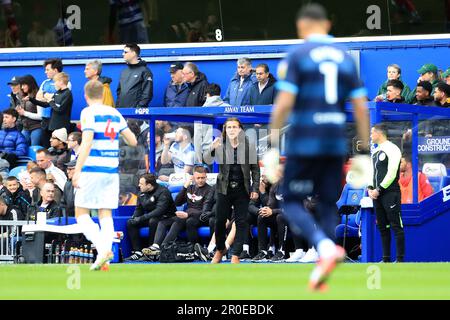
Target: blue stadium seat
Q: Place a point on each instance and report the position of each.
(15, 171)
(32, 151)
(436, 183)
(349, 209)
(445, 182)
(255, 232)
(175, 189)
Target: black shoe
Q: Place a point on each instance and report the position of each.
(151, 251)
(270, 254)
(278, 257)
(201, 253)
(260, 257)
(134, 257)
(244, 256)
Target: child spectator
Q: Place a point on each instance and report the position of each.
(16, 196)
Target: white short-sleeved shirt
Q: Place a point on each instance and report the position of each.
(181, 158)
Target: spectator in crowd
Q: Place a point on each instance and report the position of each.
(25, 178)
(16, 196)
(2, 187)
(181, 152)
(68, 196)
(63, 34)
(239, 87)
(131, 22)
(12, 142)
(442, 94)
(61, 103)
(39, 35)
(58, 148)
(15, 95)
(154, 203)
(177, 90)
(30, 113)
(197, 196)
(135, 88)
(48, 203)
(423, 94)
(73, 143)
(428, 72)
(203, 132)
(263, 91)
(424, 190)
(394, 72)
(9, 213)
(446, 76)
(52, 67)
(165, 126)
(44, 161)
(93, 71)
(162, 171)
(38, 178)
(394, 91)
(213, 98)
(197, 83)
(237, 183)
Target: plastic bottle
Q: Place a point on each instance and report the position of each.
(71, 256)
(57, 254)
(91, 256)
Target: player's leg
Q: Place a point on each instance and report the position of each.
(384, 228)
(90, 229)
(392, 206)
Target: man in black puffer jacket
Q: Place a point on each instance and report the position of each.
(154, 203)
(135, 88)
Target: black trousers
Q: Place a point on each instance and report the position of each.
(387, 210)
(133, 233)
(237, 198)
(275, 222)
(191, 225)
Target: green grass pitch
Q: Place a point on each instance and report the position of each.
(225, 281)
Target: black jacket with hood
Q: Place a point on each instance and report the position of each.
(197, 94)
(135, 88)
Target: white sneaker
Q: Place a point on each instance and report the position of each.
(310, 256)
(296, 256)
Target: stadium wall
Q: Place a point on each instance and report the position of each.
(218, 61)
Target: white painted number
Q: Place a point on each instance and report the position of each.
(330, 72)
(219, 36)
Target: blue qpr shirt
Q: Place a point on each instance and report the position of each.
(322, 76)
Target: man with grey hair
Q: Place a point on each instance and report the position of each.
(197, 83)
(239, 87)
(92, 71)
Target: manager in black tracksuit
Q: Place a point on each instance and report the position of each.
(385, 192)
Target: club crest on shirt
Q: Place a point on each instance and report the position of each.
(282, 70)
(382, 156)
(193, 197)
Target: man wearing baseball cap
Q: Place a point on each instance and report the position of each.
(177, 90)
(428, 72)
(14, 98)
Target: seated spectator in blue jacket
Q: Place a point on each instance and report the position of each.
(394, 92)
(423, 94)
(177, 90)
(239, 87)
(13, 143)
(394, 72)
(263, 91)
(442, 94)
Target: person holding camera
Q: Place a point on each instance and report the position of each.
(237, 183)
